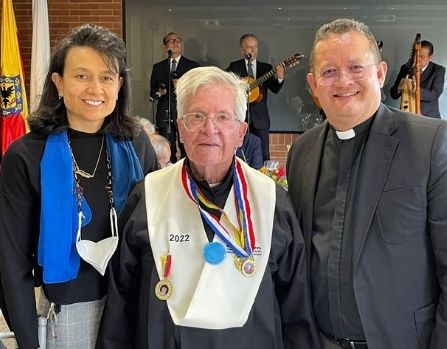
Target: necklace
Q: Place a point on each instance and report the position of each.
(79, 191)
(83, 173)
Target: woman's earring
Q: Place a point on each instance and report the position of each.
(60, 95)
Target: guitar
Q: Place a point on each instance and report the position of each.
(254, 92)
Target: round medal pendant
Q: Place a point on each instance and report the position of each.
(248, 267)
(214, 252)
(163, 289)
(238, 262)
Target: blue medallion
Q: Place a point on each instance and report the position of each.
(214, 252)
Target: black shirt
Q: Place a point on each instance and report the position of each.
(20, 219)
(217, 195)
(335, 306)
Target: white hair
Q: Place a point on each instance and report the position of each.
(196, 78)
(148, 126)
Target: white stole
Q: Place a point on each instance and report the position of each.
(204, 295)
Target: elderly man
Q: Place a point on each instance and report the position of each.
(211, 254)
(162, 149)
(369, 186)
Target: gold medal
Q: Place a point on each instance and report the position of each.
(238, 262)
(247, 266)
(163, 289)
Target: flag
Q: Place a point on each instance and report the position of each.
(13, 104)
(40, 52)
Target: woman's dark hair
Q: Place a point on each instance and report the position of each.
(51, 116)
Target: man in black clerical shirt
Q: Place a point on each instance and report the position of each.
(369, 187)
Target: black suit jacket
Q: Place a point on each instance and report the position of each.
(160, 75)
(259, 113)
(432, 85)
(400, 245)
(251, 151)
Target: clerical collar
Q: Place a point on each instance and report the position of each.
(344, 135)
(356, 131)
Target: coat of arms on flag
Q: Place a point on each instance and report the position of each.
(11, 91)
(13, 103)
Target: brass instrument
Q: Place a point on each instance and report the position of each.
(410, 100)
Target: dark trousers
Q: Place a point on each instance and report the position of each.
(264, 136)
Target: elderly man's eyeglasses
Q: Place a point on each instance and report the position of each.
(355, 72)
(173, 41)
(194, 122)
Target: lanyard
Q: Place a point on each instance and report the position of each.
(240, 239)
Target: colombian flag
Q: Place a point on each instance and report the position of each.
(13, 103)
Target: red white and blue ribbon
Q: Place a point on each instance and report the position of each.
(240, 239)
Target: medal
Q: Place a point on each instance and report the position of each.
(238, 262)
(247, 266)
(238, 236)
(164, 288)
(214, 252)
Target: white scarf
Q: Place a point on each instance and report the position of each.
(204, 295)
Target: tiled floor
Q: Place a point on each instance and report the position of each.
(8, 343)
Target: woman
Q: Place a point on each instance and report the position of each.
(62, 186)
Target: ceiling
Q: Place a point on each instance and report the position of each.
(231, 13)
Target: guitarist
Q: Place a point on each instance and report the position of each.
(259, 120)
(432, 81)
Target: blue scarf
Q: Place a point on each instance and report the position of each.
(57, 252)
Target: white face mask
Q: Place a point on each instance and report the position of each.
(98, 254)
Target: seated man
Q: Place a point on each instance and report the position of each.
(162, 149)
(211, 253)
(147, 126)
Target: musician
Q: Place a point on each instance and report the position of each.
(432, 81)
(258, 114)
(164, 78)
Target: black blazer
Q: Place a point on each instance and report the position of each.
(400, 246)
(432, 85)
(160, 75)
(259, 113)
